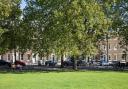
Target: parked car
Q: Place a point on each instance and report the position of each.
(95, 63)
(50, 63)
(110, 62)
(20, 63)
(123, 61)
(126, 64)
(105, 63)
(70, 62)
(119, 64)
(4, 63)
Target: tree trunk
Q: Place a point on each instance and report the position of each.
(41, 56)
(22, 55)
(47, 56)
(1, 56)
(62, 60)
(19, 55)
(40, 61)
(43, 59)
(14, 55)
(83, 57)
(75, 63)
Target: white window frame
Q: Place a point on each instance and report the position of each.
(115, 47)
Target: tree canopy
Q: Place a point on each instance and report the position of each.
(62, 26)
(69, 25)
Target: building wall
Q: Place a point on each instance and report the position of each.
(28, 57)
(115, 52)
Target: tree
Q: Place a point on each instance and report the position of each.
(117, 11)
(10, 20)
(81, 22)
(71, 26)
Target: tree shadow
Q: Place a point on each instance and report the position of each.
(17, 71)
(11, 71)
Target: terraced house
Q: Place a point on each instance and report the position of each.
(109, 50)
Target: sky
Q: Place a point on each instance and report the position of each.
(23, 4)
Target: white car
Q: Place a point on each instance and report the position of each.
(105, 63)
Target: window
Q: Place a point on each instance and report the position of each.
(104, 57)
(101, 57)
(109, 46)
(104, 47)
(124, 56)
(115, 47)
(115, 57)
(109, 57)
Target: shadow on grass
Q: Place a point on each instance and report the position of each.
(10, 71)
(18, 71)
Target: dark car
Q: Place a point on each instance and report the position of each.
(4, 63)
(70, 62)
(50, 63)
(20, 63)
(126, 64)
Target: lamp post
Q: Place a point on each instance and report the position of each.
(107, 46)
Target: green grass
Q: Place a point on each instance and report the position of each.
(65, 80)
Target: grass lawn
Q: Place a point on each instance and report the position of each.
(64, 80)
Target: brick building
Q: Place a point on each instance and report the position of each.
(111, 50)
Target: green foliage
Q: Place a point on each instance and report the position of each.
(68, 26)
(118, 14)
(63, 26)
(9, 23)
(5, 8)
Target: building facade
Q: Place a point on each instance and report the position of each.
(29, 57)
(111, 50)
